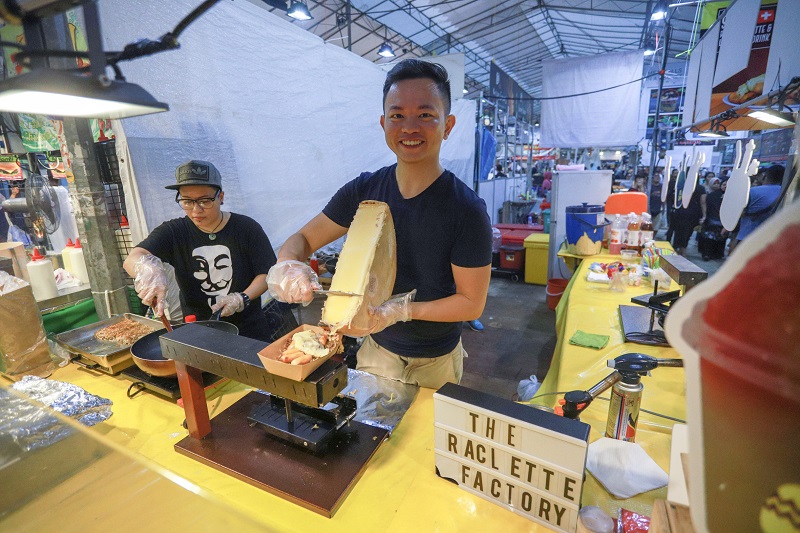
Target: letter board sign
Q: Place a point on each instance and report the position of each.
(521, 458)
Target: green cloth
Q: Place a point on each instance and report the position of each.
(80, 314)
(589, 340)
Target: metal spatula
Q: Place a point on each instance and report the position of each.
(323, 292)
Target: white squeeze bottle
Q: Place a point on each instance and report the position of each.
(43, 281)
(66, 255)
(78, 263)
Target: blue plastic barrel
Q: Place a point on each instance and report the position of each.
(585, 220)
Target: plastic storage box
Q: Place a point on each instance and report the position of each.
(536, 249)
(512, 257)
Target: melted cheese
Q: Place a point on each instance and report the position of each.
(366, 266)
(308, 342)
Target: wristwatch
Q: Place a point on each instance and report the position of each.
(245, 298)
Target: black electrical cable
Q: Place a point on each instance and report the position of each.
(191, 17)
(561, 393)
(540, 98)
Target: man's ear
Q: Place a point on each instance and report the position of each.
(448, 125)
(383, 117)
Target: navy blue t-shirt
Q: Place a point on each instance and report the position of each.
(445, 224)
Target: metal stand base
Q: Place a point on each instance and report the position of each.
(318, 483)
(309, 428)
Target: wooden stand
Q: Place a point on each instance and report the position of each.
(317, 482)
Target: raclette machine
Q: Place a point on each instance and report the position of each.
(305, 413)
(645, 325)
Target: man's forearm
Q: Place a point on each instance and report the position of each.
(455, 308)
(296, 247)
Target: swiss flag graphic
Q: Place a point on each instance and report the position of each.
(765, 16)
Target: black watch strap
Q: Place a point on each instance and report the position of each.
(245, 298)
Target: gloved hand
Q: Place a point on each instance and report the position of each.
(396, 309)
(292, 282)
(151, 282)
(230, 303)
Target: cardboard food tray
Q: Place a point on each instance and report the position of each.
(269, 357)
(82, 341)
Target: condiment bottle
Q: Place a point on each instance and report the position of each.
(43, 281)
(632, 241)
(78, 263)
(66, 255)
(616, 235)
(646, 230)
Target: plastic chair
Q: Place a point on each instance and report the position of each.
(622, 203)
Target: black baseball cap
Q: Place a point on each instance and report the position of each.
(196, 172)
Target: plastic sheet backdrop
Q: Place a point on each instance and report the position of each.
(600, 119)
(287, 118)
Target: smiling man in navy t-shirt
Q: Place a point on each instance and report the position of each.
(444, 237)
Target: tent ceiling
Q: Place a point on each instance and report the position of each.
(517, 34)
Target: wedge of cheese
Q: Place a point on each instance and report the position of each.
(367, 266)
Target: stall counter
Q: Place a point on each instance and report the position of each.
(398, 492)
(593, 308)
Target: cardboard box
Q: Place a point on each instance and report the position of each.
(269, 357)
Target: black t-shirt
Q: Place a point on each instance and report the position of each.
(445, 224)
(206, 269)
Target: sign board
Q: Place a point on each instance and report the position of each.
(518, 457)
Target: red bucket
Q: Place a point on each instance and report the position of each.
(555, 288)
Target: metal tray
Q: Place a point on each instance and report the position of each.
(82, 340)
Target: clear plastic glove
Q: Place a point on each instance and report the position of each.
(151, 283)
(230, 303)
(292, 282)
(396, 309)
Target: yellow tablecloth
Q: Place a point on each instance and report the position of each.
(399, 491)
(593, 308)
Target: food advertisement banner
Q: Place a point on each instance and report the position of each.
(748, 83)
(9, 168)
(38, 132)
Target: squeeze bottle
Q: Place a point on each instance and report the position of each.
(43, 281)
(78, 263)
(66, 255)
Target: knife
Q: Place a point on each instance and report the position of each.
(335, 293)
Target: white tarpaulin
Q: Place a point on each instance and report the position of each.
(286, 118)
(607, 118)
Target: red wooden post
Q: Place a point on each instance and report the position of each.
(190, 380)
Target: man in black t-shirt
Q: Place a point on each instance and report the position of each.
(220, 259)
(444, 238)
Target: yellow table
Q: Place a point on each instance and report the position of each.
(593, 308)
(399, 491)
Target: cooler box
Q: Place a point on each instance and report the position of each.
(512, 257)
(515, 234)
(536, 249)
